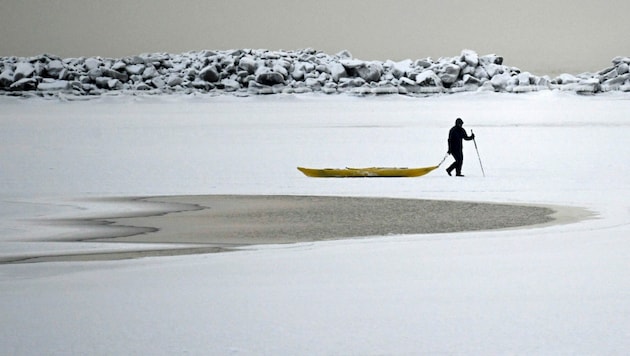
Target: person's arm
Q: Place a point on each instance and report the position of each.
(466, 137)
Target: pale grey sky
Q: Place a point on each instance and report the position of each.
(541, 36)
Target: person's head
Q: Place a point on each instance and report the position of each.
(459, 122)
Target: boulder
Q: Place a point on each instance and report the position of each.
(493, 69)
(449, 74)
(174, 81)
(424, 63)
(470, 80)
(209, 74)
(135, 69)
(149, 72)
(385, 89)
(278, 68)
(123, 77)
(282, 63)
(337, 71)
(102, 82)
(322, 68)
(114, 84)
(191, 74)
(350, 83)
(344, 54)
(566, 78)
(329, 88)
(262, 89)
(398, 69)
(523, 79)
(203, 85)
(616, 83)
(352, 64)
(588, 86)
(142, 86)
(306, 67)
(543, 81)
(136, 60)
(500, 81)
(24, 84)
(297, 74)
(53, 85)
(612, 73)
(54, 68)
(428, 78)
(91, 63)
(371, 72)
(618, 59)
(230, 85)
(23, 70)
(119, 65)
(40, 69)
(313, 83)
(6, 78)
(94, 73)
(491, 59)
(481, 73)
(270, 78)
(248, 64)
(158, 82)
(470, 57)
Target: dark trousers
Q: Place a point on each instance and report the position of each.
(457, 165)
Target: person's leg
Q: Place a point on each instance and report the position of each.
(451, 167)
(459, 162)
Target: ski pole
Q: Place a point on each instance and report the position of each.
(478, 156)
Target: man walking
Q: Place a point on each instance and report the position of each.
(455, 146)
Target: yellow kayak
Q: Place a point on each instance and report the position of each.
(366, 172)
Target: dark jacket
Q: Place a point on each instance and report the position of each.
(455, 137)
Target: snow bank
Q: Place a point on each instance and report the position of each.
(248, 71)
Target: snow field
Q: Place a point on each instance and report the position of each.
(547, 290)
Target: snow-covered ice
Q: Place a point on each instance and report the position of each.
(561, 289)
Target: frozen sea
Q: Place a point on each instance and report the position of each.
(559, 289)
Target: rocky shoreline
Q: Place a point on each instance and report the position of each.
(254, 72)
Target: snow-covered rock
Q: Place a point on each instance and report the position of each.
(24, 84)
(53, 85)
(248, 64)
(149, 72)
(249, 71)
(7, 78)
(230, 85)
(23, 70)
(470, 57)
(500, 81)
(135, 69)
(449, 74)
(91, 63)
(370, 72)
(270, 78)
(616, 83)
(54, 68)
(209, 74)
(428, 78)
(174, 81)
(588, 86)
